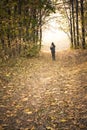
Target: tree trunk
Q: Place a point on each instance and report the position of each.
(71, 30)
(73, 19)
(40, 29)
(77, 23)
(82, 24)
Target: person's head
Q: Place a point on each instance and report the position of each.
(52, 43)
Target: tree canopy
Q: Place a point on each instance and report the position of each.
(21, 24)
(75, 12)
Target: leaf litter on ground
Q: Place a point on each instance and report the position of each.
(39, 93)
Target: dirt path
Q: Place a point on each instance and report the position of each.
(41, 94)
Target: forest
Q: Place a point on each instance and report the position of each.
(36, 92)
(21, 24)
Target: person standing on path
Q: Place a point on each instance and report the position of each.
(52, 48)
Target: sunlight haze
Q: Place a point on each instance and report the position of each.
(52, 33)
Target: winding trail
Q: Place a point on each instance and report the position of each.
(46, 95)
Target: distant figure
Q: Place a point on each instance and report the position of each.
(52, 48)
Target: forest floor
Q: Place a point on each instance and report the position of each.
(41, 94)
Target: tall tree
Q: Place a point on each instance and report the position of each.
(82, 24)
(22, 20)
(77, 22)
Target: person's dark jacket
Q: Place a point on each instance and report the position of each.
(52, 48)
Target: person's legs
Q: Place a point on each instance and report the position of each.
(53, 56)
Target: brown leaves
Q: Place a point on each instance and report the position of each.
(1, 128)
(45, 94)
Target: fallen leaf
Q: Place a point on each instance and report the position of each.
(49, 128)
(63, 120)
(27, 111)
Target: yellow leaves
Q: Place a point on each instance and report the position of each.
(33, 128)
(26, 128)
(66, 92)
(54, 95)
(8, 74)
(18, 106)
(52, 117)
(11, 115)
(63, 120)
(27, 111)
(53, 103)
(25, 99)
(49, 128)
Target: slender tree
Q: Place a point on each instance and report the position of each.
(77, 23)
(82, 24)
